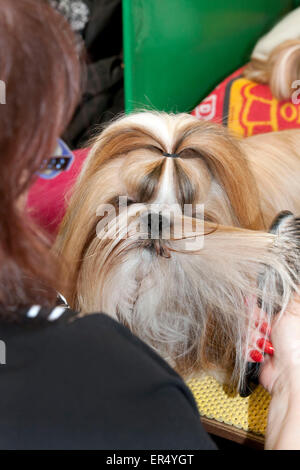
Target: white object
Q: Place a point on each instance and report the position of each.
(286, 29)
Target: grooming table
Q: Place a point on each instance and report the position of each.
(227, 415)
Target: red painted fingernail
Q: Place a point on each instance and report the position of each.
(256, 356)
(266, 346)
(265, 329)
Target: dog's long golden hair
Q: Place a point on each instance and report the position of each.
(275, 59)
(185, 296)
(279, 70)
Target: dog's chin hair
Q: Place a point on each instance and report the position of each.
(155, 298)
(185, 304)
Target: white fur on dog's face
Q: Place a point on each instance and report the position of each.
(166, 192)
(184, 292)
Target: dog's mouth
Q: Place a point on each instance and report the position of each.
(159, 247)
(159, 229)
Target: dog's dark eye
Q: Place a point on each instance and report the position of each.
(120, 201)
(130, 201)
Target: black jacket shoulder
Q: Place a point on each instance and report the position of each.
(88, 383)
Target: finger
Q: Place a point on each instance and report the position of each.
(258, 346)
(255, 356)
(264, 328)
(265, 346)
(267, 374)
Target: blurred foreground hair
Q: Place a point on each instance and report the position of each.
(41, 72)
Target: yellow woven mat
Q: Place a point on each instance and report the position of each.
(217, 402)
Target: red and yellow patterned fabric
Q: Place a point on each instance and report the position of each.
(247, 108)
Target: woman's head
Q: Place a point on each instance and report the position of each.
(40, 69)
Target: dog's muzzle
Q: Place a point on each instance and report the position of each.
(156, 225)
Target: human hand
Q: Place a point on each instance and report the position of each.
(282, 369)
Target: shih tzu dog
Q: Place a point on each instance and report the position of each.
(275, 59)
(167, 232)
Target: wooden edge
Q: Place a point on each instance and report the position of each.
(226, 431)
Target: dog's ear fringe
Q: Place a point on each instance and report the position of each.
(280, 70)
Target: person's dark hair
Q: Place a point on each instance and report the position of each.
(40, 68)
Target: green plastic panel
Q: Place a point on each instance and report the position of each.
(176, 51)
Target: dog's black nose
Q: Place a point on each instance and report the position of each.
(156, 223)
